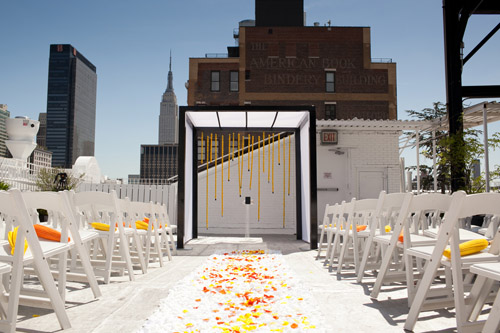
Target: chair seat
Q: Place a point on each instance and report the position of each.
(49, 249)
(489, 270)
(425, 252)
(464, 234)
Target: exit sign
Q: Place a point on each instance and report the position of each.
(329, 137)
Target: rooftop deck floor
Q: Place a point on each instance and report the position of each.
(124, 305)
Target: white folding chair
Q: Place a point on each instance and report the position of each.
(324, 224)
(15, 214)
(58, 206)
(413, 209)
(462, 206)
(388, 207)
(358, 214)
(168, 228)
(105, 208)
(487, 274)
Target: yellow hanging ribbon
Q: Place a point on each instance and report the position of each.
(263, 151)
(240, 166)
(206, 213)
(268, 157)
(279, 149)
(248, 152)
(289, 145)
(210, 147)
(284, 165)
(222, 178)
(272, 164)
(229, 158)
(251, 164)
(216, 155)
(201, 147)
(258, 187)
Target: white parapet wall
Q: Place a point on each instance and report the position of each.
(231, 219)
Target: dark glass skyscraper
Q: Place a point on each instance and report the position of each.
(71, 105)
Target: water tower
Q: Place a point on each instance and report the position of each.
(22, 132)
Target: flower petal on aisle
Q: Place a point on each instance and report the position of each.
(236, 292)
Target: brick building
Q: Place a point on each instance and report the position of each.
(328, 67)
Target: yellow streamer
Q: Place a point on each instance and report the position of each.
(284, 144)
(258, 188)
(201, 147)
(222, 178)
(251, 164)
(272, 164)
(206, 221)
(248, 151)
(210, 147)
(289, 145)
(216, 155)
(263, 151)
(239, 173)
(232, 148)
(279, 149)
(229, 157)
(268, 157)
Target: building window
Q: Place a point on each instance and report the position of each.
(330, 111)
(247, 75)
(291, 50)
(233, 81)
(215, 81)
(330, 81)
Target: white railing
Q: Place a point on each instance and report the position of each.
(19, 174)
(163, 194)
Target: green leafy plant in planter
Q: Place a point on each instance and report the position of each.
(4, 186)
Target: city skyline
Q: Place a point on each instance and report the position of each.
(129, 43)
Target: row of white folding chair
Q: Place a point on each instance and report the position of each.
(461, 206)
(337, 223)
(15, 214)
(150, 237)
(62, 218)
(108, 209)
(357, 213)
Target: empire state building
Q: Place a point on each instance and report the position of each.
(169, 113)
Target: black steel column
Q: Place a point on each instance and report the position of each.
(194, 175)
(181, 160)
(313, 179)
(298, 185)
(453, 33)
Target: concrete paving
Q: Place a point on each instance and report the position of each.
(124, 305)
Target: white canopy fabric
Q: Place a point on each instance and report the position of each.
(246, 119)
(301, 120)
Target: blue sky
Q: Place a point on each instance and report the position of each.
(129, 43)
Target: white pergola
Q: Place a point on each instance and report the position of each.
(476, 115)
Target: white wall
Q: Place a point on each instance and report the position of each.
(232, 221)
(363, 151)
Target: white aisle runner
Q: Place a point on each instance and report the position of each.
(248, 291)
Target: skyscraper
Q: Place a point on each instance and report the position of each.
(41, 136)
(71, 105)
(169, 113)
(4, 114)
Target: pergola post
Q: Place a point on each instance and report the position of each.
(486, 153)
